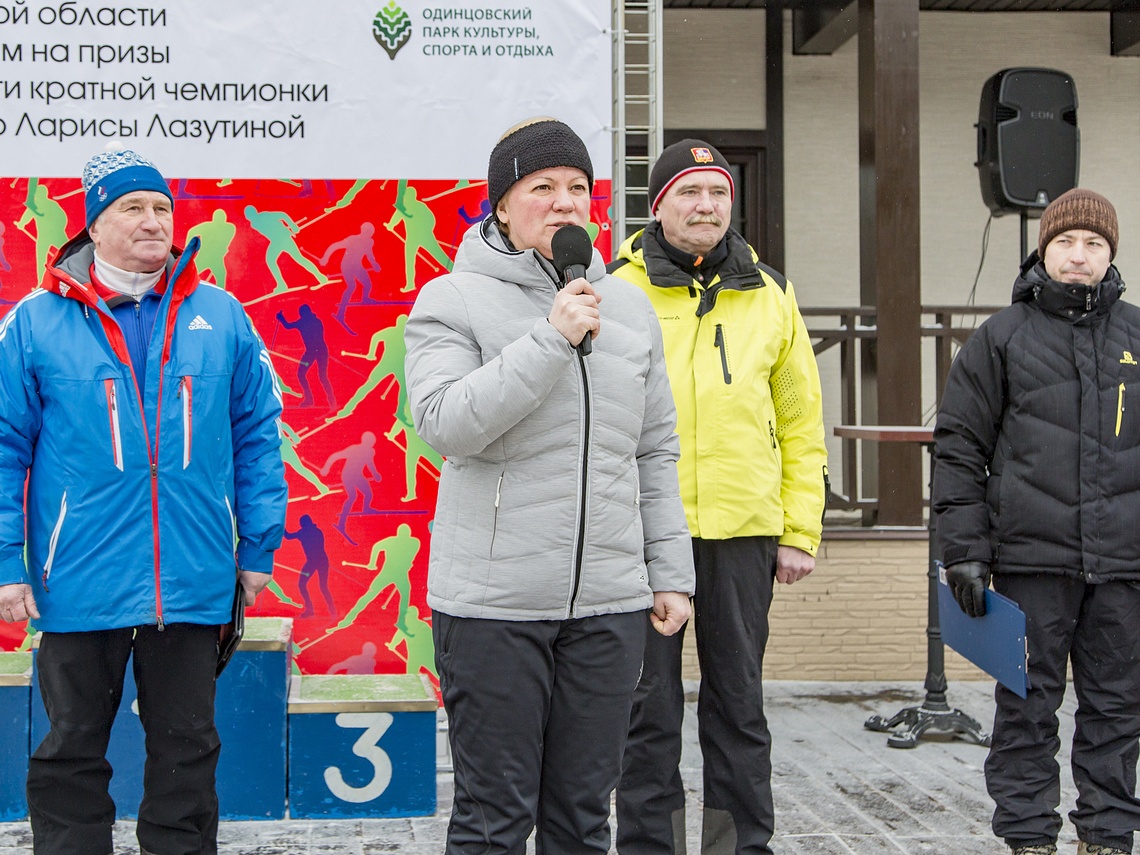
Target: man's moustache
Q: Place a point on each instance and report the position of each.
(711, 221)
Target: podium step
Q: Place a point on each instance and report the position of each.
(362, 745)
(15, 733)
(250, 714)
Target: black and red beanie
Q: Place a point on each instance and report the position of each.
(679, 159)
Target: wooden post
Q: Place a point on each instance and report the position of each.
(774, 106)
(890, 258)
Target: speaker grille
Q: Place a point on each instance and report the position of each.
(1028, 141)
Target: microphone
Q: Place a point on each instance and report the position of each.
(573, 252)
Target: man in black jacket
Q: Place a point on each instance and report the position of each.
(1037, 481)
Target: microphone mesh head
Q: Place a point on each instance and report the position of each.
(571, 245)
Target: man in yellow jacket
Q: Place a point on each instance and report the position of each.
(753, 473)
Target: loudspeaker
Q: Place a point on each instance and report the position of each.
(1028, 141)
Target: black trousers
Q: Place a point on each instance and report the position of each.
(734, 593)
(537, 717)
(1097, 627)
(81, 682)
(651, 794)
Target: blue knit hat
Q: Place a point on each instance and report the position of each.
(111, 174)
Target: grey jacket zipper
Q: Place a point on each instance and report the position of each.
(584, 487)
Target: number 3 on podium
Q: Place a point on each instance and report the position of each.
(368, 748)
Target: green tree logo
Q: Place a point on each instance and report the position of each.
(392, 28)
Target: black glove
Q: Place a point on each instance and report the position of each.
(968, 582)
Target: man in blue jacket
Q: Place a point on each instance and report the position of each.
(142, 409)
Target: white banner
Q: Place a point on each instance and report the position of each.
(318, 89)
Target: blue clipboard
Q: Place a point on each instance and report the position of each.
(995, 642)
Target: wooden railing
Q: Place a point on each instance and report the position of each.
(947, 326)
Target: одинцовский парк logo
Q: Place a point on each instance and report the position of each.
(392, 27)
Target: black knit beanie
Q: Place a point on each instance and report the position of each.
(680, 159)
(539, 143)
(1079, 209)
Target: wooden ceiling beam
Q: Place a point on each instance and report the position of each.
(1125, 33)
(824, 28)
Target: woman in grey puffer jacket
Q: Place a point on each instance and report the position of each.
(558, 524)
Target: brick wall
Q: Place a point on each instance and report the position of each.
(860, 616)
